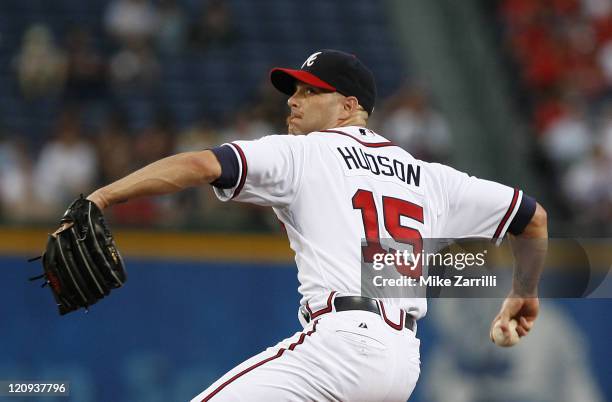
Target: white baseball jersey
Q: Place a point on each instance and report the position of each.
(335, 188)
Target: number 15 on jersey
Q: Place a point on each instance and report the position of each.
(393, 210)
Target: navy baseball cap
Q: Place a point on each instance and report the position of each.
(332, 70)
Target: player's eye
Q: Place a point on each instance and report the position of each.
(312, 91)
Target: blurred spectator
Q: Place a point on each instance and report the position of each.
(134, 66)
(568, 139)
(131, 22)
(414, 125)
(66, 166)
(114, 147)
(214, 27)
(41, 65)
(247, 125)
(16, 198)
(172, 27)
(605, 130)
(605, 61)
(86, 70)
(154, 142)
(198, 137)
(580, 68)
(588, 186)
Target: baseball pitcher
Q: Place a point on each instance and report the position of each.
(339, 188)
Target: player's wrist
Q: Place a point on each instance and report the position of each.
(98, 198)
(520, 292)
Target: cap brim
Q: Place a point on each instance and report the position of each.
(284, 80)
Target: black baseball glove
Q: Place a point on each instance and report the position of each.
(81, 262)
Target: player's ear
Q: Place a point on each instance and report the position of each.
(351, 104)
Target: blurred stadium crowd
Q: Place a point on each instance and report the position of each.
(563, 54)
(94, 91)
(108, 101)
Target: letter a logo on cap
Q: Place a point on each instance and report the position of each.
(310, 60)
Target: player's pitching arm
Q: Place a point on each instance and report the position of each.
(522, 304)
(165, 176)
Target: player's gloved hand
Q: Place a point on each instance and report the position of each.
(523, 309)
(81, 262)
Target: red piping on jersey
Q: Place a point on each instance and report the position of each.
(365, 144)
(244, 170)
(324, 310)
(507, 215)
(276, 356)
(393, 325)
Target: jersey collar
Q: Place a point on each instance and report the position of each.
(363, 135)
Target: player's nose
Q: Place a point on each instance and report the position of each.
(292, 101)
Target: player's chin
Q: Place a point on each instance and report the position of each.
(293, 129)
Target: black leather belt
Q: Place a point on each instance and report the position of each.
(347, 303)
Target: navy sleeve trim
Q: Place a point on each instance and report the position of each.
(230, 167)
(243, 171)
(523, 215)
(507, 215)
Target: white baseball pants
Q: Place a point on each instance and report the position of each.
(348, 356)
